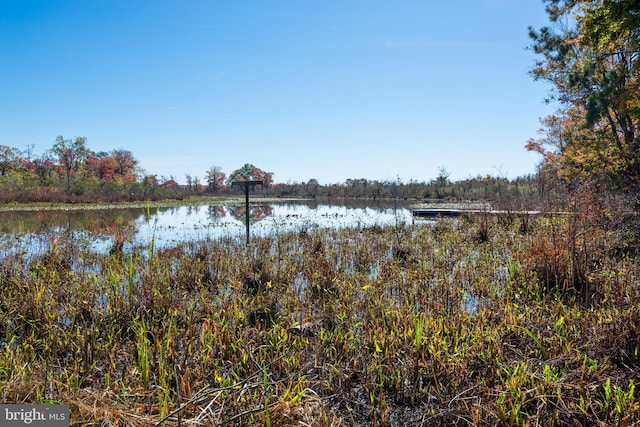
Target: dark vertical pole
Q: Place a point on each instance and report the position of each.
(246, 210)
(246, 185)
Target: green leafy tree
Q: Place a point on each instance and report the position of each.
(590, 56)
(10, 159)
(71, 155)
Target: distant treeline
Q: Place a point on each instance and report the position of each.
(523, 192)
(70, 172)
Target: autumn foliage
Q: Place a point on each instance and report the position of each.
(590, 57)
(70, 171)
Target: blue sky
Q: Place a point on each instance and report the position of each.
(324, 89)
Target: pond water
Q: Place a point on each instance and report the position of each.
(32, 232)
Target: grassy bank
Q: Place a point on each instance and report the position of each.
(168, 203)
(499, 320)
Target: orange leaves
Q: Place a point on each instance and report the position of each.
(533, 145)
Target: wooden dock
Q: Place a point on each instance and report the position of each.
(446, 213)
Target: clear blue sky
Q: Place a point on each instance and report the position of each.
(324, 89)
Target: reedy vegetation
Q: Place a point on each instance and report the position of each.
(491, 320)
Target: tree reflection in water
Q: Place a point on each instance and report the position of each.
(216, 212)
(256, 212)
(130, 229)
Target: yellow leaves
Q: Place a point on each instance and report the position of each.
(219, 379)
(39, 293)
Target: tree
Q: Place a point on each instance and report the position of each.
(28, 152)
(313, 185)
(590, 56)
(9, 159)
(71, 154)
(215, 179)
(127, 165)
(102, 167)
(249, 172)
(246, 173)
(43, 167)
(196, 184)
(149, 185)
(441, 181)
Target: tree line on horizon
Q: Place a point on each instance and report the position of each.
(71, 172)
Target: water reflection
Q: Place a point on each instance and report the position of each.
(215, 212)
(113, 230)
(103, 221)
(256, 212)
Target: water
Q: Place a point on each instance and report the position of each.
(34, 232)
(194, 223)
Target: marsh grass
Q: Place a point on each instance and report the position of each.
(459, 323)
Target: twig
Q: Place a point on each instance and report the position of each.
(208, 392)
(248, 412)
(460, 394)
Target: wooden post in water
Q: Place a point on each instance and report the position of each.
(246, 185)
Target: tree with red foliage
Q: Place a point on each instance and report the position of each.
(215, 178)
(249, 172)
(126, 164)
(104, 168)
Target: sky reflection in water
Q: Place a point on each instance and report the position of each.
(33, 232)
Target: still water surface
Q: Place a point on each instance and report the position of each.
(33, 231)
